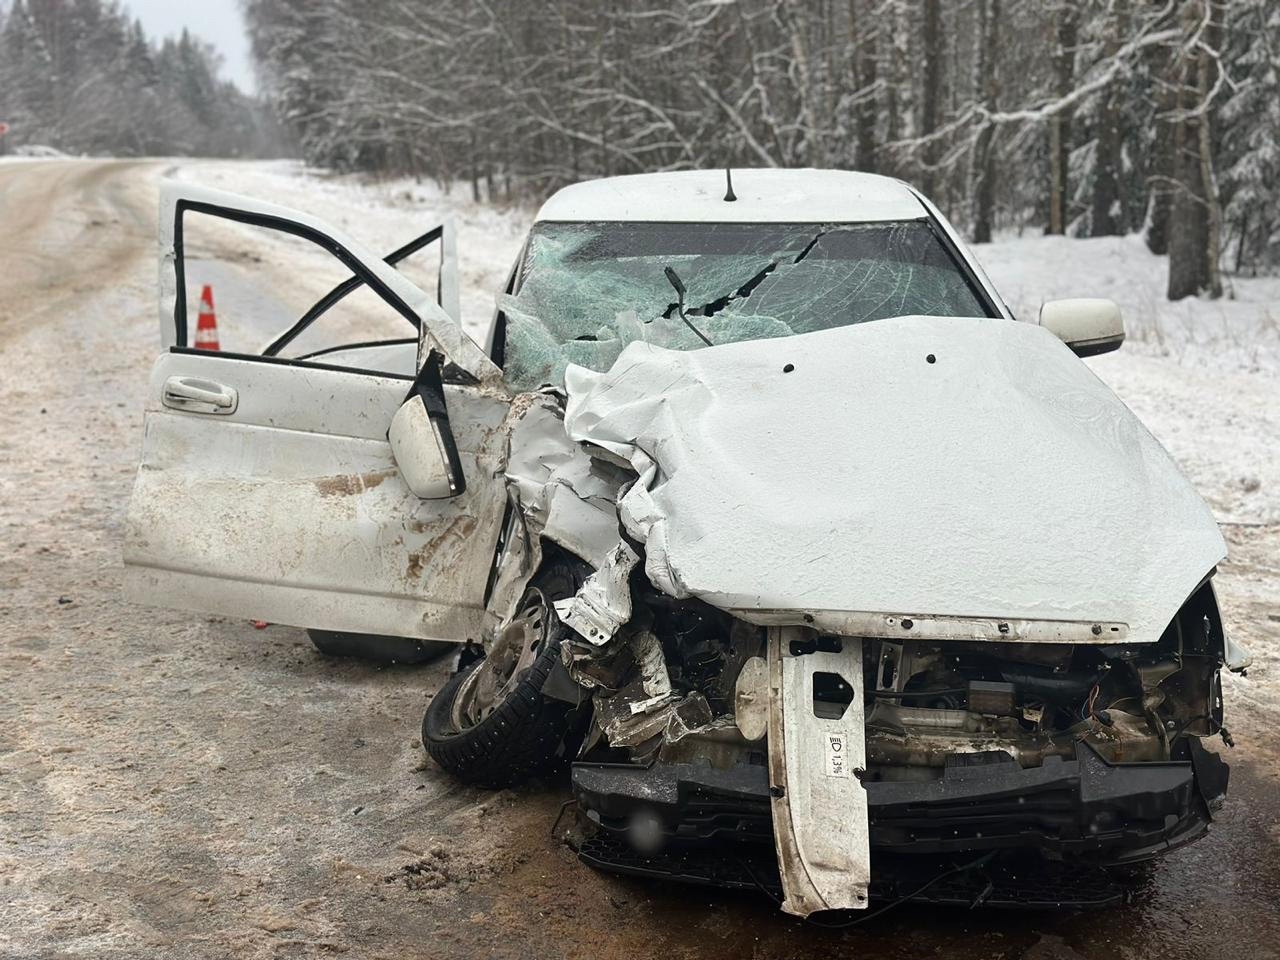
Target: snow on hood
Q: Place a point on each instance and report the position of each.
(951, 467)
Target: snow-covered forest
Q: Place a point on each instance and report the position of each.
(83, 77)
(1084, 117)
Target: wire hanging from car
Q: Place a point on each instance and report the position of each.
(555, 825)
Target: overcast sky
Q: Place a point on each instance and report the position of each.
(217, 21)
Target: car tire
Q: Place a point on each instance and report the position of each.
(388, 651)
(526, 733)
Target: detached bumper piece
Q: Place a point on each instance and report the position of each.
(1086, 812)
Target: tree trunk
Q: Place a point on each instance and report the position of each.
(1104, 212)
(865, 122)
(983, 159)
(983, 184)
(1060, 122)
(1160, 192)
(931, 91)
(1105, 219)
(475, 169)
(1195, 228)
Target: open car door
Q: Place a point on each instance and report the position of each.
(267, 487)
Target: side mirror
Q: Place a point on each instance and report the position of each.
(422, 441)
(1087, 326)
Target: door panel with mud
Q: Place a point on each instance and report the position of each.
(290, 507)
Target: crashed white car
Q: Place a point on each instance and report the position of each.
(825, 574)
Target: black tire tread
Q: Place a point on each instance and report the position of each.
(525, 735)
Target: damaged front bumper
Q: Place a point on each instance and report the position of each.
(1081, 812)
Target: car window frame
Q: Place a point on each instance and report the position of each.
(361, 275)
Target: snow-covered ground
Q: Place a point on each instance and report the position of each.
(1240, 332)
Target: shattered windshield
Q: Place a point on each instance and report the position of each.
(589, 289)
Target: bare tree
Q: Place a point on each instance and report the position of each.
(1105, 217)
(1065, 20)
(1078, 122)
(985, 79)
(931, 88)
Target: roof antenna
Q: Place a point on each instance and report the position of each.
(729, 195)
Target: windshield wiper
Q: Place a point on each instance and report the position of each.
(675, 281)
(712, 307)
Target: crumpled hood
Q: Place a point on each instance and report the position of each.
(915, 466)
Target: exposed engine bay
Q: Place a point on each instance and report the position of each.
(1086, 754)
(678, 669)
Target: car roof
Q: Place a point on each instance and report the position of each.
(764, 196)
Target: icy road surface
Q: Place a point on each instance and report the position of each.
(179, 786)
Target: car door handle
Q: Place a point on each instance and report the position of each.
(199, 396)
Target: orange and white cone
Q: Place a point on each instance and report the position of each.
(207, 323)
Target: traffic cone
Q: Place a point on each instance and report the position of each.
(207, 323)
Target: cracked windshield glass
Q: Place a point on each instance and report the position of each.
(589, 289)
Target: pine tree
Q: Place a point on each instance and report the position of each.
(80, 76)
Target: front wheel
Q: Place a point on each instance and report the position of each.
(491, 724)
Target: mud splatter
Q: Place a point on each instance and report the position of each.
(435, 552)
(351, 484)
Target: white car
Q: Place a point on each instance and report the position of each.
(825, 574)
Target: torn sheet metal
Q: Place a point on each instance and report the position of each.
(652, 664)
(556, 492)
(628, 718)
(820, 821)
(565, 495)
(603, 603)
(965, 468)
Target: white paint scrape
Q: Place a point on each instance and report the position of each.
(952, 467)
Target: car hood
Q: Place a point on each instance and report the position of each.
(921, 468)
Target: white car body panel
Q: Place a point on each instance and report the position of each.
(291, 509)
(1002, 482)
(764, 196)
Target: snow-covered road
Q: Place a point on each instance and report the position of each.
(174, 785)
